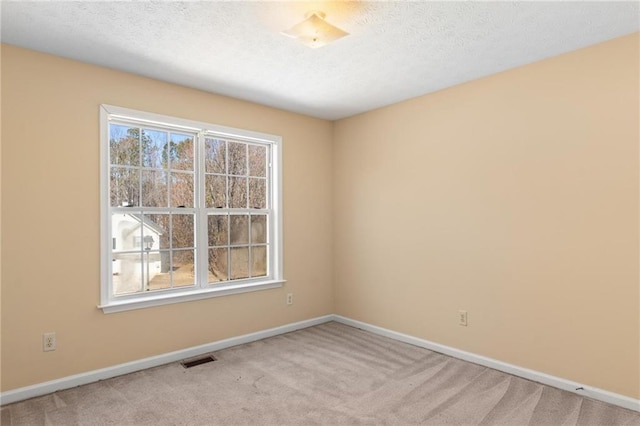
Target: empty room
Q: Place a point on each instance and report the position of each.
(320, 213)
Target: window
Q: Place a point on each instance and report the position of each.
(189, 210)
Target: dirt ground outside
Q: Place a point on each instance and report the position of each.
(184, 274)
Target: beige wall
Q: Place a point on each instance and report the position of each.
(0, 217)
(514, 197)
(51, 217)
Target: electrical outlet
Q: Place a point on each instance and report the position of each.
(462, 318)
(49, 342)
(289, 298)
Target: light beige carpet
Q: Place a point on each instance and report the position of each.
(330, 374)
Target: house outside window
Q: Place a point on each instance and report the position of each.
(189, 210)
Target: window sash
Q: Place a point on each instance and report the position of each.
(201, 131)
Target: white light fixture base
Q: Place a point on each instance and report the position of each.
(314, 31)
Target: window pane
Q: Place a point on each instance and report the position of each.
(154, 188)
(154, 146)
(238, 192)
(259, 261)
(155, 230)
(181, 151)
(123, 232)
(218, 230)
(259, 229)
(239, 229)
(239, 263)
(124, 145)
(181, 190)
(218, 261)
(216, 191)
(182, 271)
(127, 273)
(237, 158)
(257, 160)
(154, 278)
(182, 231)
(124, 187)
(257, 193)
(215, 156)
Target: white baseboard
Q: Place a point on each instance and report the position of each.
(142, 364)
(536, 376)
(130, 367)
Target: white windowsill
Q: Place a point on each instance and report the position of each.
(166, 299)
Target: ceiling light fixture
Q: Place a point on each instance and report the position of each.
(314, 31)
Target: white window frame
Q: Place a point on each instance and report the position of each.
(110, 303)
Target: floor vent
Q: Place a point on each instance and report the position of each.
(198, 361)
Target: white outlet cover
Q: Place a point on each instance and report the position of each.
(49, 342)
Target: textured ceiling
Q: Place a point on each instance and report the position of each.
(396, 50)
